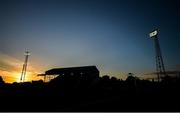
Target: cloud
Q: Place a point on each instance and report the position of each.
(8, 63)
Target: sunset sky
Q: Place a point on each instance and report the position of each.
(111, 34)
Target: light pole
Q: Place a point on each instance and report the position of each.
(160, 69)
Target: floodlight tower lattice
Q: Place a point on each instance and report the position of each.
(160, 69)
(23, 74)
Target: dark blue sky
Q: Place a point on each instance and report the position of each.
(112, 34)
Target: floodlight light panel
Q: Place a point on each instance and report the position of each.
(27, 53)
(154, 33)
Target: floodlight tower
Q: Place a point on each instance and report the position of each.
(23, 74)
(160, 70)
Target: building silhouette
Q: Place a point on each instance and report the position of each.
(83, 72)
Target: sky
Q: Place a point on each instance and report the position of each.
(111, 34)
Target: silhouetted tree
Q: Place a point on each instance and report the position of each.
(1, 80)
(105, 78)
(113, 78)
(130, 78)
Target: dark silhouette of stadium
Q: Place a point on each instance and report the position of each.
(82, 89)
(84, 72)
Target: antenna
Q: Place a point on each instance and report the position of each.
(23, 74)
(160, 69)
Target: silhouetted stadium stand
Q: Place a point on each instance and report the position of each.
(85, 72)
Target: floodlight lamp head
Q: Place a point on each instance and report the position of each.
(154, 33)
(27, 53)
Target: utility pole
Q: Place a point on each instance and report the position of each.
(23, 74)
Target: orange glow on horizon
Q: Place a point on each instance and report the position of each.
(10, 69)
(10, 77)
